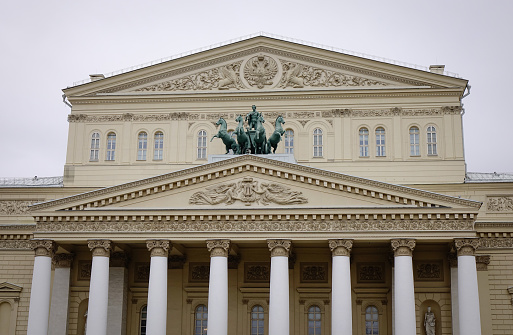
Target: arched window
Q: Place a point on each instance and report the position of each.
(111, 146)
(158, 147)
(371, 321)
(289, 141)
(257, 320)
(314, 320)
(414, 141)
(95, 147)
(200, 320)
(380, 142)
(431, 141)
(364, 142)
(202, 144)
(142, 146)
(317, 142)
(142, 320)
(5, 318)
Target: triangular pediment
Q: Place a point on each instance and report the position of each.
(255, 182)
(6, 287)
(263, 64)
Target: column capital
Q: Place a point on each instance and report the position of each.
(453, 259)
(62, 260)
(100, 248)
(218, 248)
(119, 259)
(340, 247)
(279, 247)
(159, 247)
(482, 262)
(403, 247)
(43, 247)
(466, 246)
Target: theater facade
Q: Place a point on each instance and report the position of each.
(364, 220)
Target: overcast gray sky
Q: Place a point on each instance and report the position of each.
(48, 45)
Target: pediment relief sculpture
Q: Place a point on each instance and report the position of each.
(248, 192)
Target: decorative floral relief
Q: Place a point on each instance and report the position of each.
(428, 271)
(300, 75)
(500, 204)
(257, 272)
(371, 272)
(223, 77)
(247, 191)
(314, 272)
(15, 207)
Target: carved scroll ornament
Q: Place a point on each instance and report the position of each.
(218, 248)
(158, 247)
(467, 246)
(100, 247)
(15, 207)
(500, 204)
(403, 247)
(341, 247)
(279, 247)
(248, 191)
(43, 247)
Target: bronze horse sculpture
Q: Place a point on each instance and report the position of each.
(242, 137)
(260, 141)
(275, 138)
(228, 141)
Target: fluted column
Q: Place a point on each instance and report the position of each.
(39, 308)
(58, 324)
(98, 287)
(157, 288)
(279, 287)
(404, 294)
(468, 294)
(218, 287)
(341, 316)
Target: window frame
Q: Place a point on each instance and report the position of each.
(260, 328)
(94, 148)
(111, 146)
(314, 314)
(143, 317)
(288, 138)
(363, 142)
(380, 141)
(158, 146)
(414, 140)
(203, 321)
(431, 145)
(142, 145)
(374, 326)
(318, 143)
(201, 144)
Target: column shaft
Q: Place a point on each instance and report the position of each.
(218, 287)
(118, 295)
(98, 288)
(404, 293)
(341, 320)
(279, 322)
(58, 324)
(157, 288)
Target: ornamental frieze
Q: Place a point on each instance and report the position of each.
(500, 204)
(15, 207)
(428, 270)
(15, 245)
(370, 272)
(496, 243)
(248, 192)
(259, 226)
(299, 75)
(199, 272)
(314, 272)
(257, 272)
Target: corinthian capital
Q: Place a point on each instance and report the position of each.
(403, 247)
(466, 246)
(100, 247)
(279, 247)
(43, 247)
(159, 247)
(62, 260)
(340, 247)
(218, 248)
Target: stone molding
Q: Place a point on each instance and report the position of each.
(218, 248)
(45, 248)
(159, 248)
(510, 291)
(496, 242)
(482, 262)
(15, 244)
(248, 192)
(62, 260)
(101, 248)
(16, 207)
(263, 166)
(279, 247)
(403, 247)
(340, 247)
(259, 226)
(466, 246)
(231, 58)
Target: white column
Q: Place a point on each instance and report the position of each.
(39, 308)
(157, 288)
(218, 287)
(60, 295)
(118, 282)
(279, 322)
(468, 294)
(98, 288)
(404, 294)
(341, 316)
(453, 262)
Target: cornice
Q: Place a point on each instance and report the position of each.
(242, 163)
(216, 60)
